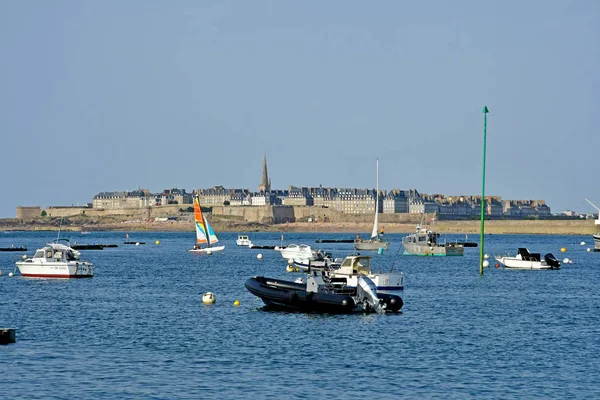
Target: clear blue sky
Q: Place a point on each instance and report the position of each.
(115, 95)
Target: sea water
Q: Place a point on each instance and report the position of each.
(138, 328)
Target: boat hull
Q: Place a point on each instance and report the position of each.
(208, 249)
(597, 242)
(293, 251)
(371, 245)
(436, 250)
(291, 296)
(516, 263)
(56, 269)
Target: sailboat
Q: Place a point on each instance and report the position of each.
(204, 232)
(376, 242)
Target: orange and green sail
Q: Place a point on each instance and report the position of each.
(203, 228)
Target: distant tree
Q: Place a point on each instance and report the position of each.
(226, 203)
(44, 213)
(190, 209)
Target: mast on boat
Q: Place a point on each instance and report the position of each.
(375, 233)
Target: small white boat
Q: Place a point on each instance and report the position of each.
(243, 240)
(353, 267)
(294, 251)
(526, 260)
(204, 232)
(55, 260)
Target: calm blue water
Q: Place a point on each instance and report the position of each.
(138, 329)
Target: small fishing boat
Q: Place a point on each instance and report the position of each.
(375, 242)
(243, 240)
(321, 293)
(55, 260)
(204, 232)
(426, 243)
(526, 260)
(355, 266)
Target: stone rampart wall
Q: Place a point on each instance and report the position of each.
(28, 212)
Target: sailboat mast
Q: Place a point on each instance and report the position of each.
(375, 232)
(206, 230)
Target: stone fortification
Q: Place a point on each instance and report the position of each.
(28, 212)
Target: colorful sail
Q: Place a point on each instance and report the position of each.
(211, 233)
(200, 221)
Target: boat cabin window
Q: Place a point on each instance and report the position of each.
(40, 254)
(70, 255)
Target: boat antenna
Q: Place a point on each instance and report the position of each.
(395, 258)
(59, 226)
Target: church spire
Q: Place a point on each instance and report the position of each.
(265, 184)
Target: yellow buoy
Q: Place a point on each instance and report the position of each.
(209, 298)
(236, 303)
(158, 242)
(562, 250)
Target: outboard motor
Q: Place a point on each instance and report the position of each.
(366, 293)
(552, 261)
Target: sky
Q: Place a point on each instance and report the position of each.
(118, 95)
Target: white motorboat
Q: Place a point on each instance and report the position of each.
(355, 266)
(55, 260)
(294, 251)
(243, 240)
(526, 260)
(204, 232)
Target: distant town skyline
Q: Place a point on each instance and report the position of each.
(118, 95)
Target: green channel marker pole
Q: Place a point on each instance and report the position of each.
(485, 111)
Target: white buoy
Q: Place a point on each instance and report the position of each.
(566, 261)
(299, 280)
(137, 243)
(570, 261)
(209, 298)
(208, 252)
(582, 243)
(289, 268)
(485, 263)
(10, 274)
(290, 261)
(259, 256)
(486, 256)
(588, 249)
